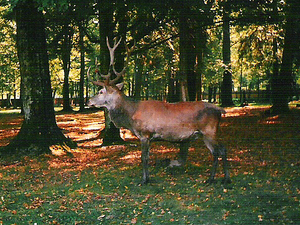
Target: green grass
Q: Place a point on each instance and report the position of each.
(96, 196)
(97, 186)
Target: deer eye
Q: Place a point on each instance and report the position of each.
(102, 91)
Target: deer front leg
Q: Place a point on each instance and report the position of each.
(145, 145)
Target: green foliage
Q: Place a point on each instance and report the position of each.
(9, 70)
(253, 55)
(255, 26)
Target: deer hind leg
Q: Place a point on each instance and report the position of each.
(216, 151)
(223, 152)
(182, 156)
(210, 143)
(145, 146)
(183, 153)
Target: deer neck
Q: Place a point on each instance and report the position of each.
(121, 114)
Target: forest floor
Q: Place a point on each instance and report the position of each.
(100, 185)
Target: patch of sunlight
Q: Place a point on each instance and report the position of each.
(132, 156)
(91, 144)
(60, 150)
(167, 150)
(127, 135)
(9, 111)
(93, 126)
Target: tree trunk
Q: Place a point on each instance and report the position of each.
(138, 74)
(210, 93)
(282, 84)
(82, 69)
(226, 88)
(200, 46)
(187, 57)
(39, 129)
(110, 134)
(66, 58)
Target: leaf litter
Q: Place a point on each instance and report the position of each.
(100, 184)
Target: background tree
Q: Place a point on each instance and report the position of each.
(226, 89)
(283, 82)
(60, 20)
(110, 134)
(82, 68)
(39, 129)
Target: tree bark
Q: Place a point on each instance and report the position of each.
(82, 69)
(226, 88)
(282, 82)
(187, 57)
(39, 129)
(66, 58)
(200, 46)
(110, 134)
(138, 75)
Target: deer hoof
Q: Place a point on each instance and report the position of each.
(144, 182)
(226, 180)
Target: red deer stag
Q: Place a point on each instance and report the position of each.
(157, 120)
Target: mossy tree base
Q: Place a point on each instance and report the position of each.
(36, 140)
(110, 134)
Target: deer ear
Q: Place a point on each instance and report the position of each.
(120, 86)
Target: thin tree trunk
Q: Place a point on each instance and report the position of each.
(39, 129)
(138, 77)
(66, 53)
(200, 43)
(82, 69)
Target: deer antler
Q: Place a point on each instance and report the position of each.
(112, 60)
(112, 64)
(98, 82)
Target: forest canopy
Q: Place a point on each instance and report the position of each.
(178, 43)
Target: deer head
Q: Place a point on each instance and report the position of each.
(110, 93)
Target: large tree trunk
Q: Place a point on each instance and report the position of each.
(39, 129)
(110, 134)
(226, 88)
(187, 57)
(282, 82)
